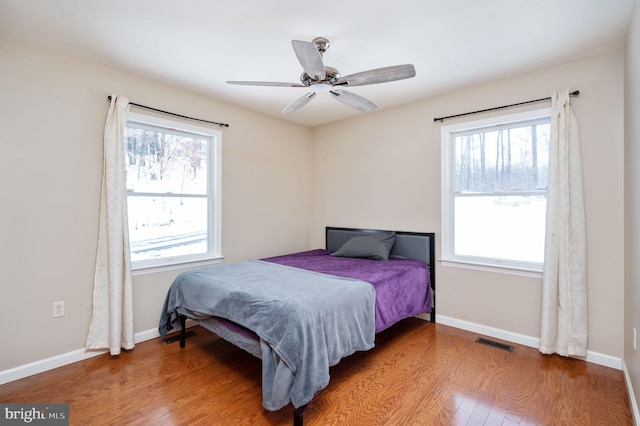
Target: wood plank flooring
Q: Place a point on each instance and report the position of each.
(419, 374)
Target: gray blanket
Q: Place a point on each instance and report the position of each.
(306, 321)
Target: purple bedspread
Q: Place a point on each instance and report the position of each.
(402, 285)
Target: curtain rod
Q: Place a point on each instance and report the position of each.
(441, 119)
(174, 114)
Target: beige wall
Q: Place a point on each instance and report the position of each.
(52, 114)
(632, 200)
(382, 170)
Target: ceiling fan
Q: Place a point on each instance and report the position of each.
(323, 79)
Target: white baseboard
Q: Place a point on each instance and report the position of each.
(632, 397)
(594, 357)
(47, 364)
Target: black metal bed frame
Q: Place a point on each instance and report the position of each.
(428, 257)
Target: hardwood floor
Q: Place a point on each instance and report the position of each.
(419, 374)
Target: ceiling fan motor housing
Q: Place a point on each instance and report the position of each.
(331, 76)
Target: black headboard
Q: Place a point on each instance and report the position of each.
(412, 245)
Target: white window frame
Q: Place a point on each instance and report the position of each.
(448, 258)
(214, 195)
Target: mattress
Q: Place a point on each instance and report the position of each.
(402, 286)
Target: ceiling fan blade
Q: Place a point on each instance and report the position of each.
(353, 100)
(378, 75)
(310, 58)
(299, 103)
(266, 83)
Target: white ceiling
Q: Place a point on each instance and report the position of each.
(200, 44)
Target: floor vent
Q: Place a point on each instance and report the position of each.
(491, 343)
(176, 336)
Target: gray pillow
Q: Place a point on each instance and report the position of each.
(374, 246)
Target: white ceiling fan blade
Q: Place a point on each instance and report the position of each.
(310, 58)
(299, 103)
(353, 100)
(378, 75)
(266, 83)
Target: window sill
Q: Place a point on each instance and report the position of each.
(173, 266)
(522, 271)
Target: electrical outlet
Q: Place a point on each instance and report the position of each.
(58, 309)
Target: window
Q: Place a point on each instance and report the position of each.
(173, 191)
(495, 191)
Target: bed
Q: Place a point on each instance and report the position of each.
(301, 313)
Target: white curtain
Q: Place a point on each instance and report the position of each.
(564, 322)
(112, 321)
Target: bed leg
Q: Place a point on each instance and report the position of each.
(183, 331)
(297, 418)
